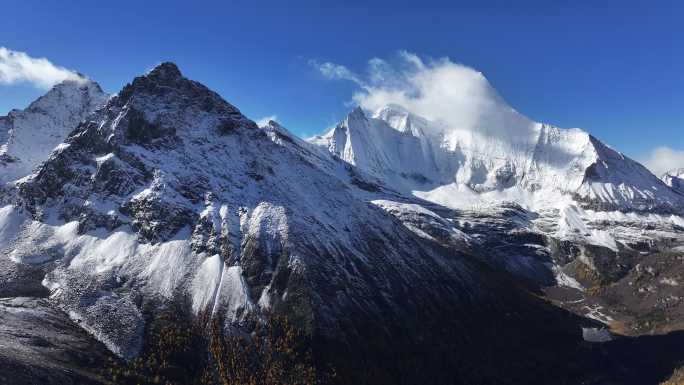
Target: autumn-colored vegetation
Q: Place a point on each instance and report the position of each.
(276, 353)
(199, 350)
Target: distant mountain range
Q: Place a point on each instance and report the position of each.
(406, 251)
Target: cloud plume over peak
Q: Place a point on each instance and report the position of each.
(19, 67)
(455, 95)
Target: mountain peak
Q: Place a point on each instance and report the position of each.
(68, 86)
(27, 137)
(162, 77)
(402, 120)
(162, 106)
(357, 109)
(82, 82)
(356, 114)
(392, 108)
(165, 71)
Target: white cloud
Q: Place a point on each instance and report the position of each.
(441, 90)
(18, 67)
(663, 159)
(335, 71)
(263, 122)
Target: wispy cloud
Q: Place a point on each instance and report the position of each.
(336, 71)
(263, 122)
(18, 67)
(663, 159)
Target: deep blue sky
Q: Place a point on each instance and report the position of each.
(612, 68)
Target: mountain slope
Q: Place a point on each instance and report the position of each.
(169, 195)
(573, 189)
(28, 136)
(556, 208)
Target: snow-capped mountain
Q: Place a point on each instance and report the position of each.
(169, 195)
(675, 179)
(545, 203)
(28, 136)
(519, 159)
(568, 178)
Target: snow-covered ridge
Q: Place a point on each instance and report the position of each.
(28, 136)
(493, 156)
(412, 154)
